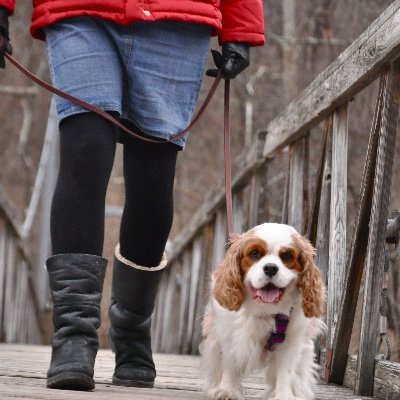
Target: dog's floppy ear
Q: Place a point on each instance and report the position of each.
(228, 284)
(310, 281)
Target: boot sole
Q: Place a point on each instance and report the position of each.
(71, 381)
(132, 383)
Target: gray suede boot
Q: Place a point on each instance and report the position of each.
(76, 284)
(134, 289)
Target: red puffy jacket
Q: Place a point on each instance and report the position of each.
(232, 20)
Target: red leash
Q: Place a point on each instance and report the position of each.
(87, 106)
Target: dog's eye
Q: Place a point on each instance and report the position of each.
(254, 254)
(286, 256)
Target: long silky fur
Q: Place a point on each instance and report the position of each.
(228, 286)
(310, 280)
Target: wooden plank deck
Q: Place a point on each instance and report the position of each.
(23, 368)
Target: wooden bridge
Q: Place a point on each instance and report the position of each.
(321, 110)
(22, 376)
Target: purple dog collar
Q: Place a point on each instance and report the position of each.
(278, 336)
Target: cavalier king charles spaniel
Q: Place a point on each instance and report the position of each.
(265, 309)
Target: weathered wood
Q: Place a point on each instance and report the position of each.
(2, 273)
(353, 70)
(377, 237)
(320, 214)
(239, 215)
(358, 249)
(258, 188)
(157, 321)
(323, 229)
(220, 239)
(296, 185)
(17, 291)
(306, 183)
(254, 199)
(324, 164)
(184, 301)
(23, 370)
(203, 287)
(264, 213)
(285, 202)
(386, 380)
(337, 234)
(195, 277)
(10, 293)
(168, 327)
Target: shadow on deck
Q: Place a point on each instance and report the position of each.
(23, 370)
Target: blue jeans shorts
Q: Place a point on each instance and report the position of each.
(150, 73)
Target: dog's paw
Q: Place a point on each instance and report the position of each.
(224, 394)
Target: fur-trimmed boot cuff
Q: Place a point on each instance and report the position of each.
(134, 289)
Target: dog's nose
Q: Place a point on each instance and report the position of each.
(270, 270)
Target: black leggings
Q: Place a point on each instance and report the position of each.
(87, 150)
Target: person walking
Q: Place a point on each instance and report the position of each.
(143, 62)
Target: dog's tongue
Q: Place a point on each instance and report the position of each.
(268, 294)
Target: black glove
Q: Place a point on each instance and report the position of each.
(234, 59)
(5, 45)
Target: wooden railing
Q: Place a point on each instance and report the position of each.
(201, 245)
(24, 294)
(19, 307)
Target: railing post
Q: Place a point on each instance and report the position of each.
(323, 227)
(258, 187)
(337, 234)
(376, 240)
(184, 300)
(195, 269)
(166, 331)
(220, 239)
(3, 238)
(296, 184)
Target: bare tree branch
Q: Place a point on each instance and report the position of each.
(26, 123)
(307, 40)
(18, 91)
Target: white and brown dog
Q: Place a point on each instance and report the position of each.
(264, 312)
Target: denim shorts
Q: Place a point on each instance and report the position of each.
(148, 72)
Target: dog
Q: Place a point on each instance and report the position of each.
(265, 307)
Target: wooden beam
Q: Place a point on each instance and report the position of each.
(184, 301)
(386, 380)
(296, 185)
(319, 221)
(337, 234)
(254, 199)
(195, 277)
(353, 70)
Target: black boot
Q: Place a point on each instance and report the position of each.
(76, 283)
(134, 289)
